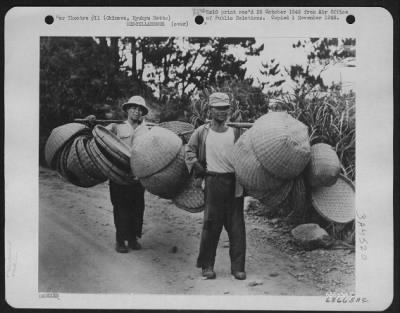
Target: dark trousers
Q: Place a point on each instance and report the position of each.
(128, 203)
(222, 209)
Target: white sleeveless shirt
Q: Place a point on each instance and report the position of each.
(218, 149)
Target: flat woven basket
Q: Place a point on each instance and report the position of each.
(275, 197)
(281, 144)
(335, 203)
(191, 198)
(251, 174)
(109, 169)
(182, 129)
(297, 195)
(118, 151)
(153, 151)
(59, 136)
(324, 166)
(77, 172)
(168, 182)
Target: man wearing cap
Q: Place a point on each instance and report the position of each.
(207, 155)
(128, 200)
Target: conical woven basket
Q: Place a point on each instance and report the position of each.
(182, 129)
(153, 151)
(118, 151)
(191, 198)
(110, 170)
(251, 174)
(335, 203)
(168, 182)
(274, 197)
(281, 144)
(77, 172)
(324, 166)
(297, 195)
(59, 136)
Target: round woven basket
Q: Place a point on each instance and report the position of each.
(324, 166)
(87, 163)
(297, 196)
(274, 197)
(117, 151)
(191, 198)
(182, 129)
(251, 174)
(153, 151)
(335, 203)
(61, 161)
(78, 174)
(168, 182)
(110, 170)
(59, 136)
(281, 144)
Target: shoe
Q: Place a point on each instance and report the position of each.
(121, 247)
(134, 245)
(239, 275)
(208, 273)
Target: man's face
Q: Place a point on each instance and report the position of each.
(220, 114)
(135, 113)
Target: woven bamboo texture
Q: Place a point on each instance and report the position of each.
(191, 198)
(273, 198)
(77, 174)
(59, 136)
(281, 144)
(297, 195)
(118, 151)
(324, 166)
(153, 151)
(250, 172)
(61, 161)
(168, 182)
(88, 165)
(110, 170)
(182, 129)
(335, 203)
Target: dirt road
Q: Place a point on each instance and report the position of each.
(76, 243)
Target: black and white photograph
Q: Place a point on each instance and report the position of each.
(198, 164)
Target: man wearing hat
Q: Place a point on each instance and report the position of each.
(207, 155)
(128, 200)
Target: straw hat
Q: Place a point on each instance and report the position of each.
(136, 100)
(335, 203)
(191, 198)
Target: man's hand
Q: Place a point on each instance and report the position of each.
(199, 170)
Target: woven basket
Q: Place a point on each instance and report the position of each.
(250, 172)
(191, 198)
(61, 161)
(182, 129)
(78, 176)
(153, 151)
(59, 136)
(281, 144)
(110, 170)
(324, 166)
(117, 151)
(168, 182)
(272, 198)
(297, 195)
(335, 203)
(87, 163)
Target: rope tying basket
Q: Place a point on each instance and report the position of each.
(182, 129)
(251, 174)
(281, 144)
(335, 203)
(324, 166)
(59, 136)
(153, 151)
(168, 182)
(191, 198)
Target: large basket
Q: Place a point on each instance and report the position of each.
(191, 198)
(182, 129)
(281, 144)
(335, 203)
(251, 174)
(168, 182)
(59, 136)
(61, 161)
(324, 166)
(109, 169)
(153, 151)
(78, 175)
(118, 152)
(273, 198)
